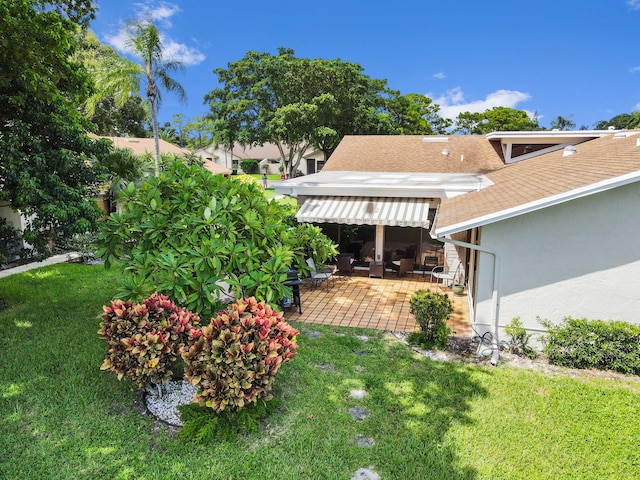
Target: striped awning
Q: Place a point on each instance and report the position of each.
(394, 212)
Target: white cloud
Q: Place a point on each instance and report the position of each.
(159, 12)
(634, 4)
(634, 69)
(181, 52)
(439, 75)
(452, 103)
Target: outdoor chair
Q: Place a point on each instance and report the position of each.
(406, 266)
(345, 264)
(445, 273)
(315, 277)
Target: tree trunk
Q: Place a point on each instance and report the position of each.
(156, 137)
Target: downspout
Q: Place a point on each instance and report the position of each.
(495, 304)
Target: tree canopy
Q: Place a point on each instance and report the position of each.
(497, 119)
(415, 114)
(296, 103)
(621, 121)
(45, 168)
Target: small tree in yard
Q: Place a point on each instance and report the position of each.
(185, 232)
(432, 311)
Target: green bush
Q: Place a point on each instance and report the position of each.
(519, 344)
(185, 232)
(145, 339)
(432, 311)
(234, 359)
(10, 242)
(250, 166)
(582, 343)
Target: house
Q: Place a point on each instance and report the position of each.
(544, 224)
(555, 235)
(267, 155)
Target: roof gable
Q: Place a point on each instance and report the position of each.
(547, 180)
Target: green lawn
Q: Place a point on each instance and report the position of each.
(61, 417)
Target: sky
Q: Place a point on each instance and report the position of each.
(578, 59)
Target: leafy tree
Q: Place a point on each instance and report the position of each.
(177, 121)
(199, 131)
(296, 103)
(562, 123)
(184, 232)
(129, 120)
(416, 114)
(144, 39)
(122, 167)
(45, 154)
(621, 121)
(497, 119)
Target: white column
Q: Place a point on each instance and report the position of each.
(379, 242)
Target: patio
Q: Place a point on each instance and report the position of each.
(380, 303)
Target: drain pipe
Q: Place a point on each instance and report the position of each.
(494, 298)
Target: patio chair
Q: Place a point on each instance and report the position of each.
(406, 266)
(345, 264)
(316, 277)
(445, 273)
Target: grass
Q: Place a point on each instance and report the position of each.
(61, 417)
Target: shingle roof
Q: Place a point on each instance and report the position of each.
(411, 153)
(542, 181)
(140, 146)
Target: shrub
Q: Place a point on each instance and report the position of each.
(250, 166)
(519, 344)
(235, 358)
(10, 242)
(432, 311)
(185, 232)
(582, 343)
(145, 339)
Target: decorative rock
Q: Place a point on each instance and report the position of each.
(363, 338)
(357, 394)
(358, 413)
(363, 441)
(313, 334)
(365, 474)
(174, 393)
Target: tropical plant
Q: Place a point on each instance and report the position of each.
(144, 40)
(234, 359)
(249, 166)
(145, 339)
(197, 237)
(432, 310)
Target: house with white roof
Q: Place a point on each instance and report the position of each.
(544, 224)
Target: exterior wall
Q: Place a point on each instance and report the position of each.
(14, 218)
(578, 259)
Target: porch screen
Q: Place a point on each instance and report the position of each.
(394, 212)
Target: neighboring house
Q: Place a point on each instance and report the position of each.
(545, 224)
(267, 154)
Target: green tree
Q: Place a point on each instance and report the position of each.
(129, 120)
(122, 166)
(199, 131)
(296, 103)
(562, 123)
(186, 231)
(621, 121)
(497, 119)
(45, 155)
(177, 121)
(144, 39)
(416, 114)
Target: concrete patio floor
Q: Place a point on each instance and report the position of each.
(380, 303)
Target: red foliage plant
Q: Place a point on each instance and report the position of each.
(145, 339)
(235, 358)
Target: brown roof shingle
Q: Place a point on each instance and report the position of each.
(409, 153)
(537, 179)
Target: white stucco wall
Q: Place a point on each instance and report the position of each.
(578, 259)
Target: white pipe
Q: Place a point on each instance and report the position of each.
(495, 304)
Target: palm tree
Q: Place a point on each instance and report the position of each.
(145, 41)
(122, 166)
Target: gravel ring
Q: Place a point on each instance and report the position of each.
(164, 408)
